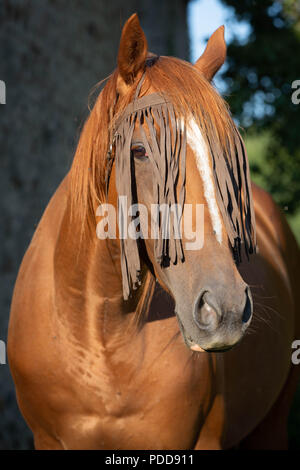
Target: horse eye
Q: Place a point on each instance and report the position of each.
(139, 152)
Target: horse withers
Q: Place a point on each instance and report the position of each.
(153, 342)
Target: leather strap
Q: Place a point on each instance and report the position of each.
(137, 104)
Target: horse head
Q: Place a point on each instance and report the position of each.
(173, 143)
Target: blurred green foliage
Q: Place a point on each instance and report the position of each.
(261, 173)
(259, 78)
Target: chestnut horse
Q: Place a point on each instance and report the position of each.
(93, 370)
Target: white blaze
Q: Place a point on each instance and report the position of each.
(198, 145)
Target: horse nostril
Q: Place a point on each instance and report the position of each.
(247, 313)
(205, 315)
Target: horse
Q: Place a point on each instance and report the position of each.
(142, 343)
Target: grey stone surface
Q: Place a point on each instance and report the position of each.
(52, 52)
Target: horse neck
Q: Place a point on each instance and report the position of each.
(88, 287)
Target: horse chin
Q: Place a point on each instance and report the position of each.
(212, 345)
(196, 347)
(215, 349)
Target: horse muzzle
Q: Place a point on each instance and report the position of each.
(218, 322)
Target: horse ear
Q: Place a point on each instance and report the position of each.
(133, 50)
(214, 55)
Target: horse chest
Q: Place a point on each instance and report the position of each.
(163, 404)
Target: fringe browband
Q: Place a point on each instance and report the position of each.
(167, 153)
(234, 194)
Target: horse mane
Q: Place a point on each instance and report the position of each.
(187, 89)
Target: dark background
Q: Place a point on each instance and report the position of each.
(52, 53)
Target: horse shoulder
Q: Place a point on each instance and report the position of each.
(278, 238)
(32, 295)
